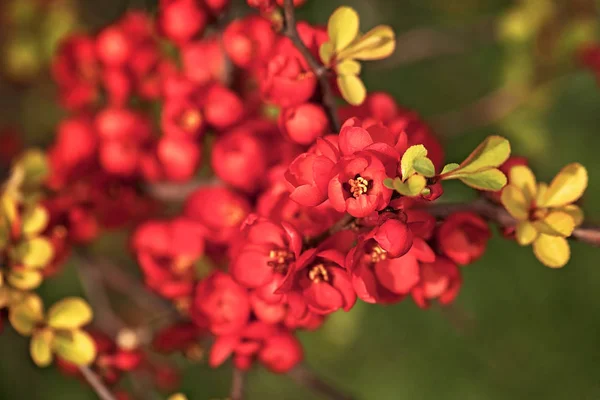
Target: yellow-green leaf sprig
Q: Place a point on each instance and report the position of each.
(58, 332)
(347, 46)
(545, 213)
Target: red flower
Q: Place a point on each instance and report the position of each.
(223, 108)
(281, 352)
(463, 237)
(179, 158)
(181, 20)
(304, 123)
(239, 158)
(182, 119)
(357, 185)
(222, 302)
(166, 252)
(267, 249)
(219, 210)
(183, 337)
(113, 46)
(310, 173)
(248, 41)
(439, 280)
(320, 277)
(204, 61)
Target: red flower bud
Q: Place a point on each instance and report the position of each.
(239, 158)
(113, 46)
(439, 280)
(222, 107)
(463, 237)
(248, 41)
(281, 352)
(179, 158)
(181, 20)
(220, 210)
(286, 80)
(304, 123)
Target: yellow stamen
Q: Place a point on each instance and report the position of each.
(318, 273)
(358, 186)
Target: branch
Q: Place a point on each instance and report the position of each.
(320, 71)
(96, 383)
(303, 376)
(496, 213)
(237, 384)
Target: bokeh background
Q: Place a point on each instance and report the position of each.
(472, 67)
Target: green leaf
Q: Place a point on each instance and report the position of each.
(424, 166)
(489, 180)
(75, 346)
(491, 153)
(388, 183)
(412, 187)
(69, 313)
(449, 167)
(408, 160)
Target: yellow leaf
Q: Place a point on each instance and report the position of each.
(378, 43)
(348, 67)
(352, 89)
(75, 346)
(567, 187)
(522, 177)
(35, 166)
(36, 252)
(412, 187)
(540, 192)
(24, 279)
(9, 208)
(574, 211)
(556, 223)
(491, 153)
(326, 52)
(40, 347)
(408, 160)
(515, 202)
(552, 251)
(69, 313)
(342, 28)
(177, 396)
(491, 180)
(35, 220)
(27, 314)
(425, 167)
(525, 233)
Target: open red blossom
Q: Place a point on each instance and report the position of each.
(248, 41)
(268, 249)
(357, 185)
(167, 252)
(320, 277)
(219, 210)
(440, 280)
(240, 159)
(182, 119)
(181, 20)
(304, 123)
(463, 237)
(311, 172)
(222, 302)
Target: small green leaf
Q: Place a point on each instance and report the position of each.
(408, 160)
(490, 180)
(388, 183)
(424, 166)
(449, 167)
(412, 187)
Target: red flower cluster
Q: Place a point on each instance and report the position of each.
(299, 223)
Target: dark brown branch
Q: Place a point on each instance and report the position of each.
(320, 71)
(237, 384)
(96, 383)
(497, 213)
(303, 376)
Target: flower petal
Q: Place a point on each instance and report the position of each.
(566, 187)
(552, 251)
(575, 212)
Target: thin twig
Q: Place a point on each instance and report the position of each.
(496, 213)
(237, 384)
(305, 377)
(96, 383)
(320, 71)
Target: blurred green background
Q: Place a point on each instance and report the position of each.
(518, 330)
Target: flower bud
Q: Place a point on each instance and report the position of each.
(304, 123)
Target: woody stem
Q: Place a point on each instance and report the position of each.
(320, 71)
(237, 384)
(96, 383)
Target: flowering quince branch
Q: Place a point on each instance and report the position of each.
(96, 383)
(237, 384)
(320, 71)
